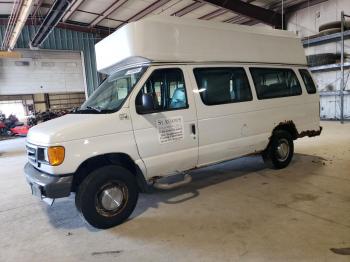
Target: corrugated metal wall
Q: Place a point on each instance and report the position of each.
(63, 39)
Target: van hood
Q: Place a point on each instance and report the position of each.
(76, 126)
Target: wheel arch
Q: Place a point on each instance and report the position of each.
(120, 159)
(288, 126)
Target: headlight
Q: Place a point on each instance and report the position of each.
(55, 155)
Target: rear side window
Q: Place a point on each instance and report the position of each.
(275, 82)
(222, 85)
(167, 87)
(309, 83)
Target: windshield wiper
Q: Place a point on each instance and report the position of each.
(95, 108)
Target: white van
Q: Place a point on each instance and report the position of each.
(180, 94)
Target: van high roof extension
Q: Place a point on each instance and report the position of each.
(173, 39)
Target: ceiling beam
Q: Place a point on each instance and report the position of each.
(288, 10)
(266, 16)
(45, 5)
(37, 7)
(146, 11)
(303, 5)
(188, 9)
(74, 6)
(219, 12)
(213, 14)
(79, 27)
(149, 9)
(109, 10)
(237, 19)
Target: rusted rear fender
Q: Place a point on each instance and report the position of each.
(310, 133)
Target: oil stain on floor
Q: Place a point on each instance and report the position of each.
(341, 251)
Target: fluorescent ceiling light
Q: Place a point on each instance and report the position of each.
(22, 18)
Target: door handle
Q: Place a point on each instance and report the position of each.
(193, 129)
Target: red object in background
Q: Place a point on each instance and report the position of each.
(20, 130)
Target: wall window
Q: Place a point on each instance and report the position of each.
(222, 85)
(167, 86)
(275, 82)
(309, 83)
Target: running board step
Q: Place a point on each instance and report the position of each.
(165, 186)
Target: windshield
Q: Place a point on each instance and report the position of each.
(110, 95)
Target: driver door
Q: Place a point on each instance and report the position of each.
(166, 137)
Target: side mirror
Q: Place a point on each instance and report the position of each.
(147, 104)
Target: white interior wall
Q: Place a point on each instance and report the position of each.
(307, 21)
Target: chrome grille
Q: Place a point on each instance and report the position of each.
(32, 154)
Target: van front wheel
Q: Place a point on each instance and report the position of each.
(280, 150)
(107, 196)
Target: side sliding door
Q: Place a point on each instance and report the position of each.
(226, 111)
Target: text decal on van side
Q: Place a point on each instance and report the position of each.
(170, 129)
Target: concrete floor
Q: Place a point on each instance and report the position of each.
(239, 210)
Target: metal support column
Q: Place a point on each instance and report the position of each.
(342, 83)
(342, 70)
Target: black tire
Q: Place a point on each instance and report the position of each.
(329, 31)
(323, 33)
(91, 200)
(322, 59)
(273, 156)
(333, 25)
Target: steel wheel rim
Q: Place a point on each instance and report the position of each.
(111, 199)
(282, 150)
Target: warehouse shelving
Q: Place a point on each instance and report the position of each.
(336, 37)
(329, 67)
(307, 42)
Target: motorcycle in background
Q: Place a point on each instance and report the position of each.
(12, 127)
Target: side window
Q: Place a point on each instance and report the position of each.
(167, 87)
(309, 83)
(275, 82)
(222, 85)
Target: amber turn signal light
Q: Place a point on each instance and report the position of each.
(55, 155)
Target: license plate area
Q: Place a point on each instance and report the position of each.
(36, 190)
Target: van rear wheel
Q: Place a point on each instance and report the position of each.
(280, 150)
(107, 196)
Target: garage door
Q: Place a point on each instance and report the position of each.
(42, 72)
(330, 102)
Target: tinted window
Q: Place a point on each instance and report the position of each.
(222, 85)
(167, 87)
(309, 83)
(275, 82)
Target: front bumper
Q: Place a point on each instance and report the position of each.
(48, 186)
